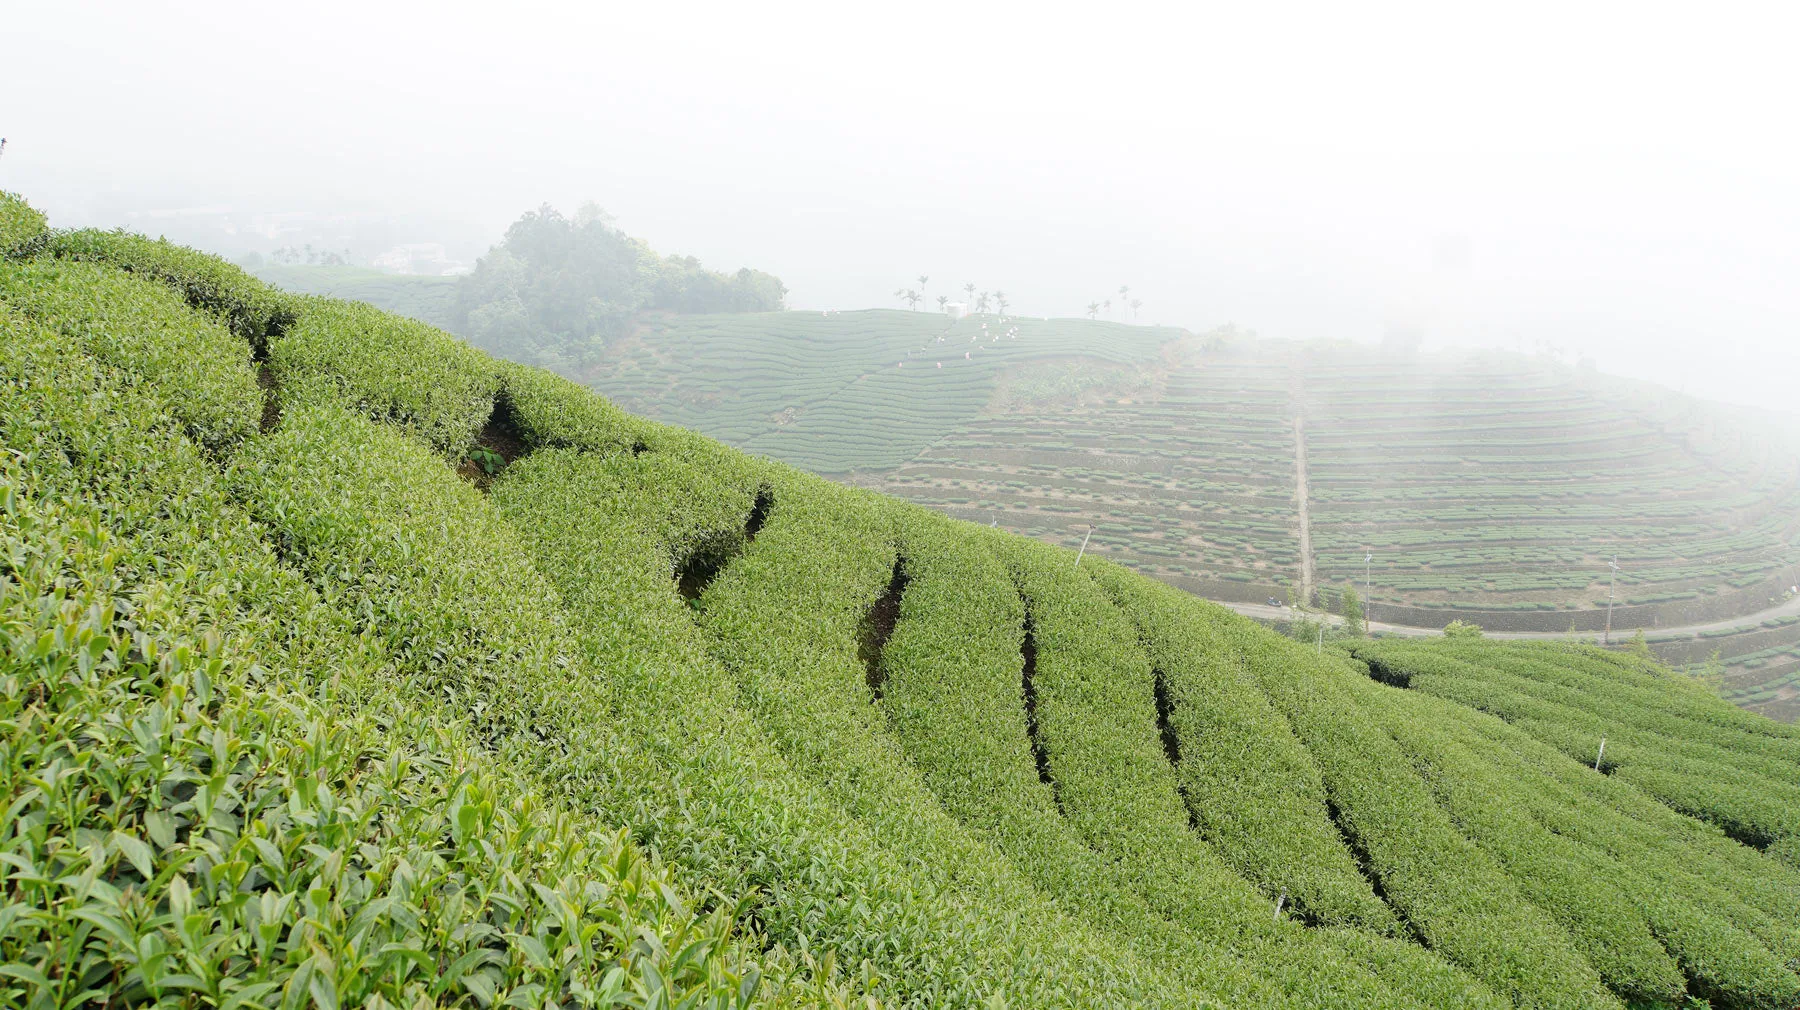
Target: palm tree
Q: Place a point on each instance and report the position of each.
(981, 303)
(1124, 290)
(1108, 304)
(1136, 304)
(900, 293)
(1093, 310)
(912, 299)
(969, 289)
(923, 280)
(943, 303)
(1000, 301)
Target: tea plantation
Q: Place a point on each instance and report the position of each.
(1493, 487)
(343, 665)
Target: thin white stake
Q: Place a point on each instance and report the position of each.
(1601, 754)
(1280, 902)
(1084, 543)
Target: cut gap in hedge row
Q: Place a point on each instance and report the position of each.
(1171, 743)
(1741, 833)
(1366, 867)
(259, 337)
(703, 563)
(497, 446)
(1027, 683)
(759, 511)
(707, 558)
(1389, 675)
(271, 408)
(878, 627)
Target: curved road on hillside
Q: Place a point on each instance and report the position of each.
(1792, 606)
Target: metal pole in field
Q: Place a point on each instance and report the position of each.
(1601, 754)
(1084, 543)
(1368, 598)
(1607, 638)
(1280, 902)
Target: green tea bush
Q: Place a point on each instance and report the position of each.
(1745, 782)
(145, 330)
(1097, 715)
(1248, 783)
(609, 531)
(305, 717)
(1623, 914)
(389, 368)
(195, 818)
(952, 695)
(252, 309)
(1457, 899)
(22, 227)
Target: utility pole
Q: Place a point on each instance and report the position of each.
(1610, 592)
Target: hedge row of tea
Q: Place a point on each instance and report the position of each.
(296, 713)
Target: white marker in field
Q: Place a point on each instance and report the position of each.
(1280, 902)
(1084, 543)
(1600, 754)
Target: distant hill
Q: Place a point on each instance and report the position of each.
(345, 665)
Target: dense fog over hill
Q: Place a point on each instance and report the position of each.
(1608, 182)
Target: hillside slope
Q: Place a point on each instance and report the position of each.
(332, 644)
(838, 391)
(1492, 486)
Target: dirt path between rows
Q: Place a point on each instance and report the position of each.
(1306, 553)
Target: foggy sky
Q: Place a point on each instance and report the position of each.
(1607, 179)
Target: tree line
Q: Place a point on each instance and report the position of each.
(557, 289)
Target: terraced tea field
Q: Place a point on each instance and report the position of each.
(1493, 487)
(845, 390)
(1495, 484)
(343, 665)
(1193, 480)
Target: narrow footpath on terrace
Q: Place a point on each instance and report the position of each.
(1300, 503)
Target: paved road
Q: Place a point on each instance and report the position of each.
(1265, 612)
